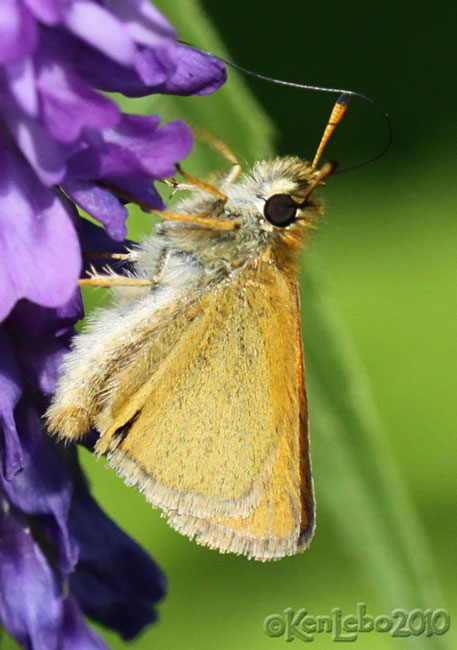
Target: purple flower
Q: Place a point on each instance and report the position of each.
(63, 144)
(59, 130)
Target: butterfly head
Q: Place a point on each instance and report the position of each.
(280, 194)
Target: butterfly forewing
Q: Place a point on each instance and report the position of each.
(283, 521)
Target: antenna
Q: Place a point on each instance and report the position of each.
(335, 118)
(322, 89)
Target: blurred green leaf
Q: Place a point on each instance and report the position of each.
(356, 476)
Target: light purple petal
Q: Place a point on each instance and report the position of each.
(145, 26)
(93, 66)
(10, 392)
(49, 12)
(153, 15)
(30, 598)
(76, 634)
(18, 31)
(44, 487)
(101, 29)
(68, 105)
(188, 71)
(101, 204)
(44, 154)
(40, 259)
(21, 81)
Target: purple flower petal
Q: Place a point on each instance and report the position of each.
(42, 357)
(44, 487)
(45, 155)
(142, 189)
(68, 105)
(105, 74)
(136, 147)
(143, 22)
(49, 12)
(21, 81)
(10, 392)
(95, 239)
(18, 31)
(146, 10)
(42, 336)
(84, 18)
(30, 598)
(196, 73)
(101, 204)
(155, 66)
(181, 70)
(33, 321)
(76, 634)
(62, 141)
(40, 251)
(115, 581)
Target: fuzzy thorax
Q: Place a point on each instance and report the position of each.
(224, 252)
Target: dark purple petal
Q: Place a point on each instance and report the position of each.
(155, 66)
(95, 239)
(18, 31)
(44, 487)
(33, 321)
(142, 189)
(40, 258)
(30, 598)
(42, 359)
(76, 634)
(10, 392)
(68, 105)
(101, 204)
(101, 29)
(42, 336)
(115, 580)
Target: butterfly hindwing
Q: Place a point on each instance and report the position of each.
(216, 435)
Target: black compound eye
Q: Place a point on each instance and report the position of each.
(280, 210)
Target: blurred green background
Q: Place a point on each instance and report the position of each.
(379, 322)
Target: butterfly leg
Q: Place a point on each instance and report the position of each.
(221, 148)
(198, 184)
